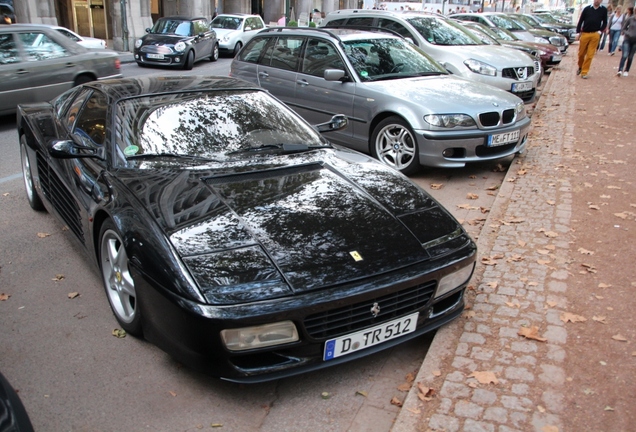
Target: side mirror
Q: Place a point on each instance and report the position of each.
(334, 74)
(67, 149)
(337, 122)
(247, 28)
(148, 30)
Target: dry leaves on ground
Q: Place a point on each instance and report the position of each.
(42, 235)
(573, 318)
(395, 401)
(531, 333)
(4, 297)
(425, 393)
(485, 377)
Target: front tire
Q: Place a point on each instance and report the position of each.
(237, 48)
(215, 53)
(118, 282)
(189, 61)
(393, 143)
(32, 194)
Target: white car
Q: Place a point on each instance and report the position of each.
(233, 31)
(85, 41)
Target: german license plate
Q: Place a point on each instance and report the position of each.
(155, 56)
(503, 138)
(556, 57)
(521, 87)
(353, 342)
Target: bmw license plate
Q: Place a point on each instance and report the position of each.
(367, 338)
(503, 138)
(521, 87)
(155, 56)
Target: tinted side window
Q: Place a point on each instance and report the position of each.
(91, 124)
(74, 109)
(8, 49)
(38, 46)
(200, 26)
(319, 56)
(396, 27)
(253, 50)
(336, 22)
(363, 22)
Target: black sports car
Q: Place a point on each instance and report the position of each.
(177, 42)
(231, 234)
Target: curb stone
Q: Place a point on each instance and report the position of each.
(509, 295)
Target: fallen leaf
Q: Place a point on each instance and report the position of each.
(521, 243)
(485, 377)
(404, 387)
(4, 297)
(585, 251)
(325, 395)
(395, 401)
(549, 428)
(594, 207)
(467, 207)
(72, 295)
(119, 333)
(531, 333)
(543, 262)
(425, 393)
(437, 373)
(550, 234)
(472, 196)
(551, 303)
(216, 425)
(603, 285)
(608, 408)
(567, 316)
(492, 188)
(42, 235)
(540, 409)
(619, 338)
(499, 168)
(173, 394)
(58, 277)
(493, 284)
(361, 393)
(436, 186)
(589, 268)
(5, 194)
(414, 410)
(621, 215)
(600, 319)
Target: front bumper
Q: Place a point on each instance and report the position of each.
(505, 83)
(190, 332)
(467, 146)
(169, 60)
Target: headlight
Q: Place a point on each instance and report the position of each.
(138, 43)
(180, 46)
(541, 53)
(521, 110)
(449, 120)
(538, 39)
(260, 336)
(454, 280)
(480, 67)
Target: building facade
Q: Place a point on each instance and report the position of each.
(123, 21)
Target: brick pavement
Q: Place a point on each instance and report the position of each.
(484, 375)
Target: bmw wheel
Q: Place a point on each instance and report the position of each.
(32, 194)
(118, 282)
(393, 143)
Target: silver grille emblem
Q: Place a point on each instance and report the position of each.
(522, 73)
(375, 310)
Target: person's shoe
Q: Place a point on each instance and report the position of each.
(612, 53)
(584, 76)
(625, 74)
(619, 73)
(578, 71)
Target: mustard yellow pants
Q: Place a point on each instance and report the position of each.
(588, 43)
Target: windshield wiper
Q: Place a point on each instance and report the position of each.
(170, 155)
(285, 148)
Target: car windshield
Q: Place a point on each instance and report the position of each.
(225, 22)
(381, 59)
(546, 19)
(502, 34)
(208, 125)
(505, 22)
(172, 27)
(439, 31)
(486, 37)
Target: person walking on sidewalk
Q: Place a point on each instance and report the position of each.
(629, 43)
(615, 25)
(592, 23)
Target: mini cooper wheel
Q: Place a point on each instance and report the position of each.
(215, 53)
(189, 61)
(32, 195)
(118, 282)
(393, 143)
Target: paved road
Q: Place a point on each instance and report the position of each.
(72, 374)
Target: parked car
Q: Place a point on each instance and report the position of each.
(231, 234)
(501, 20)
(404, 108)
(538, 31)
(451, 45)
(177, 42)
(13, 415)
(235, 30)
(549, 55)
(85, 41)
(567, 30)
(38, 63)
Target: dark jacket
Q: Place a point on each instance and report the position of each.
(629, 29)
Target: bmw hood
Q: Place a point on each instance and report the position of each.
(444, 94)
(295, 228)
(497, 56)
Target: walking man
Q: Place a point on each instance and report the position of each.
(591, 24)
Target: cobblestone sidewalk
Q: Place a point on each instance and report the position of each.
(484, 375)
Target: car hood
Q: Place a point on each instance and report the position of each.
(272, 229)
(497, 56)
(163, 39)
(444, 94)
(221, 32)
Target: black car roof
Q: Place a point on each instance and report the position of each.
(121, 88)
(183, 18)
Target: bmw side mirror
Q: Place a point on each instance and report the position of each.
(333, 74)
(67, 149)
(337, 122)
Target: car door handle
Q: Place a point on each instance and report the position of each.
(263, 75)
(70, 65)
(302, 82)
(21, 71)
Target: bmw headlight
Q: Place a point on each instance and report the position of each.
(521, 110)
(138, 43)
(180, 46)
(480, 67)
(538, 39)
(449, 120)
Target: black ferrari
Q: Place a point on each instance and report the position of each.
(232, 234)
